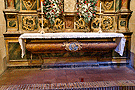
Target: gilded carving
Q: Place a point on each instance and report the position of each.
(107, 23)
(123, 23)
(95, 23)
(80, 24)
(107, 4)
(59, 24)
(29, 4)
(12, 23)
(72, 46)
(45, 23)
(29, 23)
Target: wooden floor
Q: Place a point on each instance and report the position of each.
(47, 76)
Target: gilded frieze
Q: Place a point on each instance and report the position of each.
(95, 24)
(107, 23)
(45, 23)
(58, 25)
(29, 23)
(80, 25)
(29, 4)
(108, 5)
(12, 24)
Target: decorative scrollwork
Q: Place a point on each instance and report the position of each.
(107, 4)
(72, 46)
(45, 23)
(107, 23)
(80, 24)
(95, 24)
(29, 23)
(59, 24)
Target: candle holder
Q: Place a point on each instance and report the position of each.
(42, 31)
(100, 29)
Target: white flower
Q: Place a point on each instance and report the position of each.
(82, 12)
(57, 11)
(89, 4)
(55, 6)
(85, 6)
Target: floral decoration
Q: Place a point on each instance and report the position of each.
(86, 9)
(52, 9)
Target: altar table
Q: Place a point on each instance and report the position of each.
(120, 40)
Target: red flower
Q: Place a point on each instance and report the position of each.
(85, 1)
(77, 13)
(62, 11)
(88, 16)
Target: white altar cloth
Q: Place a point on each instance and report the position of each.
(120, 40)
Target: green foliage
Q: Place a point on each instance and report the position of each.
(52, 9)
(87, 9)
